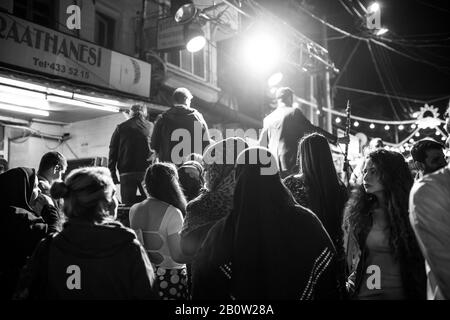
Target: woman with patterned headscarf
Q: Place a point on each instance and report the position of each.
(216, 201)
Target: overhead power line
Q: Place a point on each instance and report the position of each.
(438, 67)
(379, 94)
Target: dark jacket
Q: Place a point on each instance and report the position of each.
(129, 149)
(110, 261)
(22, 228)
(284, 133)
(21, 233)
(179, 117)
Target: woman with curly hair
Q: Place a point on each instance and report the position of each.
(383, 257)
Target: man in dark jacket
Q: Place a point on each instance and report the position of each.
(129, 152)
(180, 131)
(284, 127)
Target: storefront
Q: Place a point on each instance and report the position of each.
(61, 93)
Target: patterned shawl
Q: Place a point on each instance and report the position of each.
(216, 201)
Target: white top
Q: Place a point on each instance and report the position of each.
(144, 219)
(429, 207)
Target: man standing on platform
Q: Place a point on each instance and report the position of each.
(180, 131)
(129, 153)
(284, 127)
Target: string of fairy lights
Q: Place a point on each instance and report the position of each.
(426, 118)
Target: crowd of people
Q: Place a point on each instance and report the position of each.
(228, 229)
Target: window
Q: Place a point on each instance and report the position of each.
(42, 12)
(104, 30)
(194, 63)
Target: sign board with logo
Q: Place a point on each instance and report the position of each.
(170, 35)
(31, 46)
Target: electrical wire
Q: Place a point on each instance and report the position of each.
(433, 6)
(438, 67)
(381, 79)
(71, 150)
(346, 63)
(372, 40)
(387, 70)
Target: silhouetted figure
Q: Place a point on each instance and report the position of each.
(284, 127)
(129, 153)
(180, 131)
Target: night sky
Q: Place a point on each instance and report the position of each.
(417, 28)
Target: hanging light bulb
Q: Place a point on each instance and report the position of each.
(411, 140)
(338, 120)
(417, 134)
(443, 138)
(413, 126)
(372, 126)
(438, 132)
(386, 127)
(356, 124)
(401, 127)
(318, 112)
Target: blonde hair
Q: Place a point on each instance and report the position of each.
(87, 192)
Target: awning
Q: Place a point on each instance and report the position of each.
(35, 97)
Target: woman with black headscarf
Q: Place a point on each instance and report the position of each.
(269, 247)
(22, 228)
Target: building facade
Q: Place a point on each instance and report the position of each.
(82, 80)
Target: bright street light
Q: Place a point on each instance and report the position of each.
(261, 52)
(196, 44)
(195, 37)
(374, 7)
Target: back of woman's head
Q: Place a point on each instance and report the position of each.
(191, 178)
(162, 183)
(88, 194)
(219, 160)
(320, 177)
(315, 160)
(258, 180)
